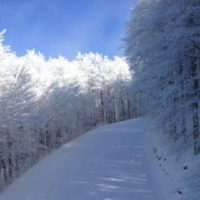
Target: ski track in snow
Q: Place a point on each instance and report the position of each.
(107, 163)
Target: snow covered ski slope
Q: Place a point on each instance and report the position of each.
(108, 163)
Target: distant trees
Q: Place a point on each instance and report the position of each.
(43, 103)
(163, 49)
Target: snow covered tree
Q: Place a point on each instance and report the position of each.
(162, 47)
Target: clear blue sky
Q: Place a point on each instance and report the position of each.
(64, 27)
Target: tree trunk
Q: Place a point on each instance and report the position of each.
(195, 107)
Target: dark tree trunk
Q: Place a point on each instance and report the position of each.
(195, 106)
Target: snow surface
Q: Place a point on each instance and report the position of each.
(108, 163)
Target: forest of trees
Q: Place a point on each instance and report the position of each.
(163, 50)
(45, 103)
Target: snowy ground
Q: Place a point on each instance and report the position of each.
(109, 163)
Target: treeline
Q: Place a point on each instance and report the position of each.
(163, 49)
(43, 104)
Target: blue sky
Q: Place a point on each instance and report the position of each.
(64, 27)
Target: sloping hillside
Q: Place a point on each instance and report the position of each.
(110, 162)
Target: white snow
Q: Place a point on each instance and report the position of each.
(109, 163)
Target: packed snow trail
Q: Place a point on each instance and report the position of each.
(108, 163)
